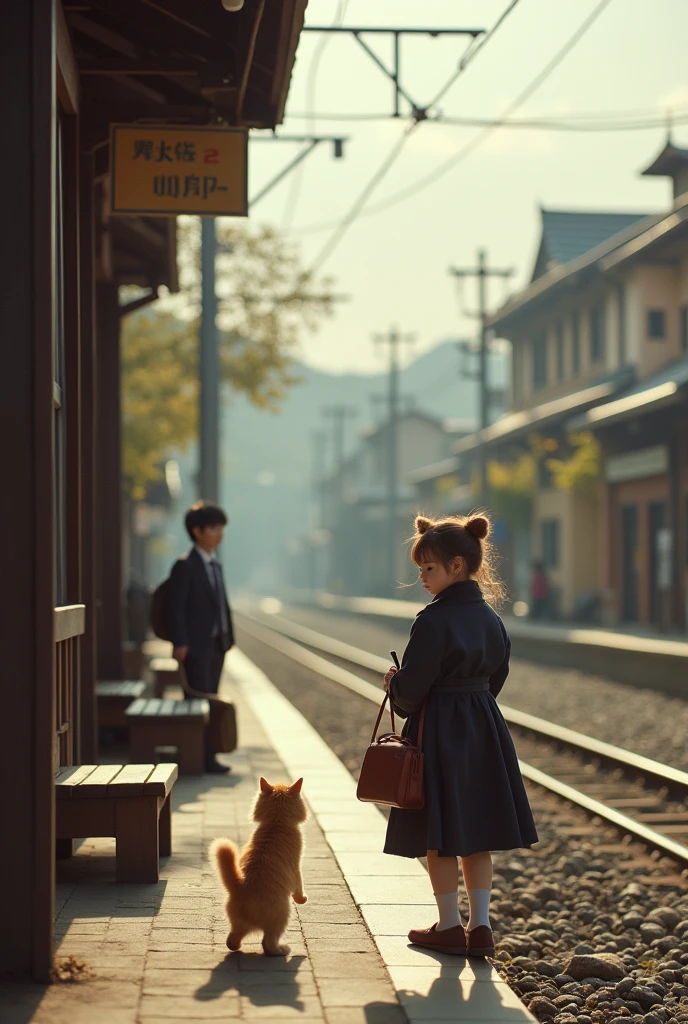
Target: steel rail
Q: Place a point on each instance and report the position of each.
(288, 638)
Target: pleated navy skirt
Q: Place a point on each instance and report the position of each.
(475, 798)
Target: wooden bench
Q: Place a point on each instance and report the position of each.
(162, 723)
(165, 673)
(130, 802)
(115, 697)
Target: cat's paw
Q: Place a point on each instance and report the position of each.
(300, 897)
(233, 941)
(275, 950)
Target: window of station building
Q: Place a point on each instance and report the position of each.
(575, 344)
(656, 324)
(597, 337)
(540, 368)
(561, 369)
(549, 542)
(683, 327)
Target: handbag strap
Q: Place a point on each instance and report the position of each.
(379, 717)
(421, 720)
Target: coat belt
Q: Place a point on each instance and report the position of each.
(462, 686)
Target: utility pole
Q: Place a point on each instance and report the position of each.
(317, 517)
(209, 392)
(338, 414)
(482, 272)
(394, 339)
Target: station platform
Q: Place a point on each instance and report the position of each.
(637, 658)
(148, 954)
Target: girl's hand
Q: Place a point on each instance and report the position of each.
(389, 677)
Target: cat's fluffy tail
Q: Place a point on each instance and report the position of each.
(226, 857)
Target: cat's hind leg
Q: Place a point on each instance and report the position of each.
(238, 928)
(274, 931)
(235, 938)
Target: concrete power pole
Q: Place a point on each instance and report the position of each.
(394, 339)
(338, 414)
(209, 392)
(482, 272)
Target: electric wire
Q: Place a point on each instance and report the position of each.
(474, 48)
(357, 208)
(343, 226)
(457, 158)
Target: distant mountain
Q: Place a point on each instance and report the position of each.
(266, 462)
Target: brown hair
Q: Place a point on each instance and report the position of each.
(466, 537)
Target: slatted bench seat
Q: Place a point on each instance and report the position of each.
(115, 697)
(165, 673)
(130, 802)
(162, 723)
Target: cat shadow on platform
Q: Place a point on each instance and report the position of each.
(264, 981)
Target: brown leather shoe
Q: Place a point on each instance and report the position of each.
(480, 941)
(450, 940)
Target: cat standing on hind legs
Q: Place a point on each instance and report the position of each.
(267, 874)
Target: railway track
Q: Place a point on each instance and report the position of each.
(641, 797)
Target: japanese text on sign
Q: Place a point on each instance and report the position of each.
(164, 171)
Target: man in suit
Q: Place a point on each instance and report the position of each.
(200, 619)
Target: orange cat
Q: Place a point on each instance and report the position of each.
(268, 872)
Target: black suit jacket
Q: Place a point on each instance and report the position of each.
(193, 607)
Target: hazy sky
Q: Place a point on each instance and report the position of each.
(394, 264)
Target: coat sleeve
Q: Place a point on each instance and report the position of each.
(498, 678)
(180, 583)
(420, 667)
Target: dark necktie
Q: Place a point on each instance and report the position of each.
(220, 594)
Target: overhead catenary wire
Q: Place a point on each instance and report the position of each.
(343, 226)
(592, 122)
(457, 158)
(474, 48)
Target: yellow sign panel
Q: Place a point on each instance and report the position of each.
(162, 171)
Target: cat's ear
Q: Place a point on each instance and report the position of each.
(296, 788)
(265, 787)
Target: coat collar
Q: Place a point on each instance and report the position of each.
(463, 592)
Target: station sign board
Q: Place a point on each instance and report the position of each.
(163, 171)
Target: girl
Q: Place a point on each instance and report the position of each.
(475, 801)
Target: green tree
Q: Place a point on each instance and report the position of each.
(582, 470)
(266, 301)
(511, 486)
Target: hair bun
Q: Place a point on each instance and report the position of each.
(479, 526)
(423, 524)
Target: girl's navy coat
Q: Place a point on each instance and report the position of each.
(458, 657)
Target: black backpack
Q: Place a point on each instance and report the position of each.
(159, 613)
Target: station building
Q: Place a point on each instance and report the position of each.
(69, 72)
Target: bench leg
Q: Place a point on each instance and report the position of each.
(136, 826)
(64, 849)
(165, 827)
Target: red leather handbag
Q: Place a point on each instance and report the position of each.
(392, 769)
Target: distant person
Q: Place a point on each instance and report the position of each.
(539, 591)
(199, 616)
(455, 664)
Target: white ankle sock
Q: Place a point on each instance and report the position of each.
(479, 904)
(448, 906)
